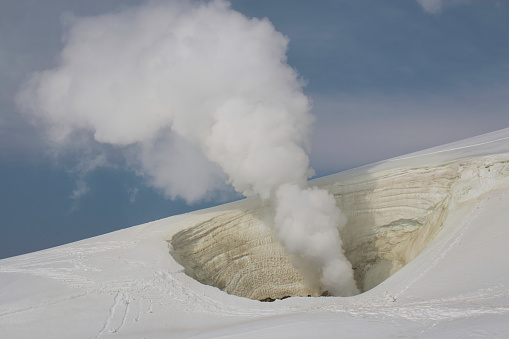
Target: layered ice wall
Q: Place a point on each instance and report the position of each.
(392, 216)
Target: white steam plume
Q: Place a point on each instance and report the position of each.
(173, 81)
(308, 223)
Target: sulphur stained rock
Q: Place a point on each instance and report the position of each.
(238, 253)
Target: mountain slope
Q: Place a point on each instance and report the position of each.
(444, 281)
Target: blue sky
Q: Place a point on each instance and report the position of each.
(386, 78)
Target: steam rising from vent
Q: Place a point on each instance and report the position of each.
(308, 223)
(196, 94)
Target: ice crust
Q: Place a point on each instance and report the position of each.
(392, 216)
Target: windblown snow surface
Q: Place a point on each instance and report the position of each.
(427, 235)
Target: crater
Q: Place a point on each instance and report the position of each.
(392, 216)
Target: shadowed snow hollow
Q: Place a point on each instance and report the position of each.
(392, 216)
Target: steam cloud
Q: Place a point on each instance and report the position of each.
(191, 86)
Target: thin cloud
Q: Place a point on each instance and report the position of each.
(133, 192)
(365, 128)
(437, 6)
(80, 190)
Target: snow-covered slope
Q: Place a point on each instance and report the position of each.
(427, 234)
